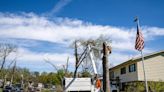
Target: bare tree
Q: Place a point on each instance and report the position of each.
(99, 46)
(66, 68)
(80, 53)
(46, 59)
(79, 58)
(76, 59)
(5, 50)
(13, 71)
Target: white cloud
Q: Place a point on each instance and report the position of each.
(155, 31)
(64, 30)
(59, 6)
(115, 58)
(31, 26)
(59, 58)
(35, 61)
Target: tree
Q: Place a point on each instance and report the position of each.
(86, 74)
(5, 50)
(36, 73)
(106, 50)
(81, 53)
(60, 72)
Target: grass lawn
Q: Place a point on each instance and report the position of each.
(45, 90)
(0, 89)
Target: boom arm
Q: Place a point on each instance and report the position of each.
(91, 57)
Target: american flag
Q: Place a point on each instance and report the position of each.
(139, 45)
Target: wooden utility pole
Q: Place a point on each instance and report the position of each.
(106, 83)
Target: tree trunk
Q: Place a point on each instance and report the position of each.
(13, 72)
(75, 73)
(1, 71)
(76, 60)
(106, 83)
(3, 62)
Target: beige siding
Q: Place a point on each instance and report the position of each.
(154, 68)
(129, 76)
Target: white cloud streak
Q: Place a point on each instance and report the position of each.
(65, 30)
(59, 6)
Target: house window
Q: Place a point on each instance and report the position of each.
(132, 68)
(123, 87)
(112, 75)
(123, 70)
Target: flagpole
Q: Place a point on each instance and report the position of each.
(140, 49)
(143, 65)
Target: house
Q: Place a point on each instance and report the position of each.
(132, 71)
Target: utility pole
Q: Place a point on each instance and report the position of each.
(106, 83)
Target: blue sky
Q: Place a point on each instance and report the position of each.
(47, 27)
(105, 12)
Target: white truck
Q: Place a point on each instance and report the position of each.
(83, 84)
(78, 85)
